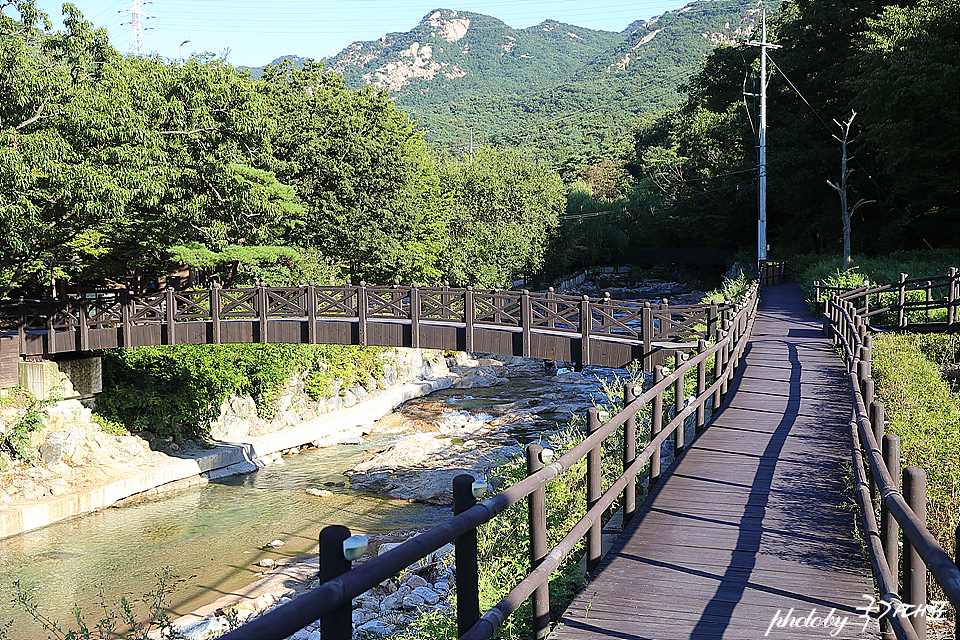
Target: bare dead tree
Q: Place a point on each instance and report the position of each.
(841, 189)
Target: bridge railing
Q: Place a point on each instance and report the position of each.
(910, 302)
(52, 326)
(331, 601)
(876, 464)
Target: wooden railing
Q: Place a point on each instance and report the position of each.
(474, 319)
(907, 303)
(331, 602)
(876, 464)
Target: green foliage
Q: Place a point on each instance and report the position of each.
(125, 623)
(734, 288)
(503, 208)
(178, 390)
(16, 441)
(925, 413)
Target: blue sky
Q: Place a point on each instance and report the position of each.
(257, 31)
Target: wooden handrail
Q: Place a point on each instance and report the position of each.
(332, 597)
(848, 328)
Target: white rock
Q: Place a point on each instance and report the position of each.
(201, 629)
(306, 634)
(429, 596)
(412, 602)
(320, 493)
(360, 616)
(276, 544)
(386, 546)
(377, 626)
(267, 563)
(413, 581)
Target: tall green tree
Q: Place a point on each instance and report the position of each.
(363, 173)
(503, 209)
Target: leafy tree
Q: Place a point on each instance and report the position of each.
(503, 210)
(362, 171)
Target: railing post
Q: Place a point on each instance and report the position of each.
(215, 327)
(678, 398)
(725, 360)
(586, 320)
(953, 316)
(713, 322)
(877, 423)
(717, 373)
(656, 425)
(465, 558)
(414, 316)
(126, 316)
(956, 561)
(889, 528)
(929, 298)
(22, 325)
(593, 490)
(445, 311)
(551, 308)
(526, 321)
(362, 314)
(914, 569)
(170, 315)
(866, 390)
(312, 312)
(629, 452)
(646, 333)
(537, 523)
(338, 624)
(816, 294)
(262, 310)
(701, 387)
(901, 317)
(51, 331)
(469, 311)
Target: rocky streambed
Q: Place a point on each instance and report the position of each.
(471, 428)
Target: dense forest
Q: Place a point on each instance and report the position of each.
(690, 179)
(120, 170)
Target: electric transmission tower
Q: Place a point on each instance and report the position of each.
(137, 16)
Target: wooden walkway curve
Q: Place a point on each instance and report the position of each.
(750, 523)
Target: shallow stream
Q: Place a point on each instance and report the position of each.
(211, 536)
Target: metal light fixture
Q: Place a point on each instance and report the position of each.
(546, 455)
(354, 547)
(479, 488)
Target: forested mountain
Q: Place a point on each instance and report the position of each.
(564, 94)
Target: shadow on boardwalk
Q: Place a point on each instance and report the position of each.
(750, 525)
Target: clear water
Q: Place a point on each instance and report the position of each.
(210, 537)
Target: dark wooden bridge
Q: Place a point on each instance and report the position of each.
(579, 329)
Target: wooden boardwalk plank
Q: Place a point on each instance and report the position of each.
(750, 523)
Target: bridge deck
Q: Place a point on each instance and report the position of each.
(749, 522)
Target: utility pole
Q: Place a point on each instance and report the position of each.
(471, 148)
(137, 16)
(762, 169)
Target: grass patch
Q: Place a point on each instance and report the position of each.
(925, 412)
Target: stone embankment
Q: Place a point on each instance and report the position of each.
(85, 469)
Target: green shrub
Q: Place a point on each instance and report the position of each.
(925, 413)
(178, 390)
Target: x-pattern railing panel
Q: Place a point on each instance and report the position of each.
(102, 312)
(238, 303)
(192, 305)
(620, 320)
(148, 309)
(388, 302)
(556, 314)
(289, 302)
(65, 315)
(439, 304)
(336, 302)
(683, 323)
(498, 307)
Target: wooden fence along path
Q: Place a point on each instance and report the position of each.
(753, 522)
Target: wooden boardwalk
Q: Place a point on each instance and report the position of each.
(749, 523)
